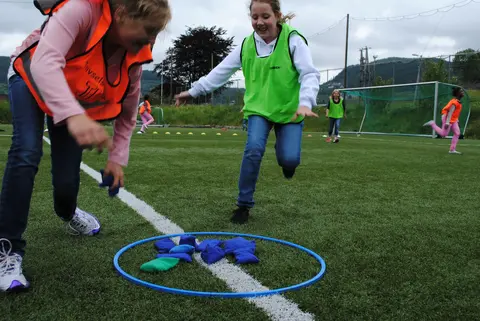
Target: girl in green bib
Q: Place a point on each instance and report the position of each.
(281, 85)
(335, 112)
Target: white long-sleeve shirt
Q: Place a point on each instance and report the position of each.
(309, 78)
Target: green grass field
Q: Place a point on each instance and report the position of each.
(396, 220)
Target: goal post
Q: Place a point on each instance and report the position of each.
(400, 109)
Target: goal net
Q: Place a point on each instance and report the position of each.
(400, 109)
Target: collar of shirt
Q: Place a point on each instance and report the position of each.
(263, 46)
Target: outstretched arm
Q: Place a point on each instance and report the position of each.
(309, 76)
(219, 75)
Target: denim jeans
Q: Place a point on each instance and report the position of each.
(22, 165)
(334, 122)
(287, 148)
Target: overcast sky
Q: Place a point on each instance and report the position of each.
(439, 34)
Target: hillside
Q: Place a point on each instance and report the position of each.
(402, 70)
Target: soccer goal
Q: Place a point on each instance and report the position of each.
(400, 109)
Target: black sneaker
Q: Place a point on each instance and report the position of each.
(288, 173)
(240, 215)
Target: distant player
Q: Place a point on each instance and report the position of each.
(145, 113)
(450, 114)
(335, 112)
(244, 122)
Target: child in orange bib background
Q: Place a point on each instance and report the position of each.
(145, 113)
(450, 114)
(81, 67)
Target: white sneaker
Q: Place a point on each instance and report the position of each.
(429, 123)
(454, 152)
(11, 275)
(83, 223)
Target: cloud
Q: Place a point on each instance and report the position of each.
(441, 33)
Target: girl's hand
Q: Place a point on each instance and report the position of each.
(116, 171)
(305, 112)
(181, 98)
(88, 133)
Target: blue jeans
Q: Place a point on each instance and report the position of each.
(334, 122)
(287, 148)
(22, 165)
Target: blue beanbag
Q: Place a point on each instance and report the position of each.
(108, 182)
(188, 240)
(164, 245)
(239, 243)
(212, 254)
(245, 256)
(182, 256)
(203, 246)
(184, 248)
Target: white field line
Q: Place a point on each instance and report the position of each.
(277, 307)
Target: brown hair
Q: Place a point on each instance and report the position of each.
(275, 4)
(151, 10)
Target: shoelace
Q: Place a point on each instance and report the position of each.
(79, 223)
(7, 261)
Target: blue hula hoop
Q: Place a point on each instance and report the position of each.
(219, 294)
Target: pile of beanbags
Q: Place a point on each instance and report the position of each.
(211, 251)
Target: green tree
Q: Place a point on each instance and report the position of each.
(466, 65)
(434, 70)
(379, 81)
(193, 55)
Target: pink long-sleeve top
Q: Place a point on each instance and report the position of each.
(66, 35)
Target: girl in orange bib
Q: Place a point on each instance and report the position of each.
(81, 67)
(450, 114)
(146, 114)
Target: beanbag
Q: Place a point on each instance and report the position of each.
(188, 240)
(182, 249)
(107, 181)
(212, 254)
(164, 245)
(203, 245)
(239, 243)
(182, 256)
(161, 264)
(244, 256)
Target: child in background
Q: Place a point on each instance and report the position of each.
(281, 87)
(450, 114)
(81, 67)
(244, 121)
(146, 114)
(335, 112)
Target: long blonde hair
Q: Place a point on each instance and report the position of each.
(275, 4)
(151, 10)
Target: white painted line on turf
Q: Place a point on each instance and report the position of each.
(277, 307)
